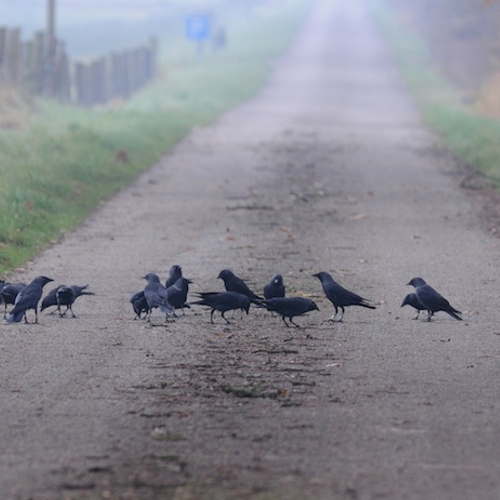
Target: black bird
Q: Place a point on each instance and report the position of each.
(177, 293)
(9, 293)
(64, 295)
(28, 298)
(156, 295)
(237, 285)
(412, 300)
(223, 302)
(339, 296)
(174, 274)
(432, 300)
(275, 287)
(139, 303)
(289, 307)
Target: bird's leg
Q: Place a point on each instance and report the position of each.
(212, 316)
(342, 315)
(36, 315)
(284, 321)
(291, 321)
(417, 315)
(72, 313)
(429, 315)
(333, 318)
(227, 321)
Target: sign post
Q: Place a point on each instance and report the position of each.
(198, 29)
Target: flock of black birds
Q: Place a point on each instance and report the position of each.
(27, 296)
(172, 296)
(238, 296)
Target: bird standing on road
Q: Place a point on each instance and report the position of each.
(64, 295)
(139, 303)
(275, 287)
(289, 307)
(431, 300)
(237, 285)
(173, 275)
(177, 293)
(156, 295)
(339, 296)
(28, 298)
(412, 300)
(8, 294)
(223, 302)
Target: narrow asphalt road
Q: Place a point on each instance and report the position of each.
(328, 169)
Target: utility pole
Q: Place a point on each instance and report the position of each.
(50, 53)
(51, 21)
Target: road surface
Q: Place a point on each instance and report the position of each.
(330, 169)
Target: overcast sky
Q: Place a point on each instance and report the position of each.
(32, 13)
(90, 26)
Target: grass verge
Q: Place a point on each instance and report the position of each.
(60, 166)
(472, 137)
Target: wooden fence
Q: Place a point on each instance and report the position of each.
(42, 67)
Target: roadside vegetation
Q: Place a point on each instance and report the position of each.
(472, 136)
(57, 163)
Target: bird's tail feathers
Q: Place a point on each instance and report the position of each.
(166, 308)
(453, 313)
(15, 317)
(367, 304)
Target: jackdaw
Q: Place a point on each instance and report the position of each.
(28, 298)
(223, 302)
(289, 307)
(156, 295)
(177, 293)
(9, 293)
(174, 274)
(139, 303)
(339, 296)
(64, 295)
(412, 300)
(432, 300)
(237, 285)
(275, 287)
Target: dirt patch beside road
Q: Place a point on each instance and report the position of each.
(329, 168)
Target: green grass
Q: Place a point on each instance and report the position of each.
(471, 137)
(60, 166)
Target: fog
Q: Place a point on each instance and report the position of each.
(463, 36)
(93, 27)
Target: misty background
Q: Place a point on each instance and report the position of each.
(92, 27)
(464, 41)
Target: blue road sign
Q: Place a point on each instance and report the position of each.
(197, 27)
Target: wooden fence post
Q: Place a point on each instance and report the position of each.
(46, 70)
